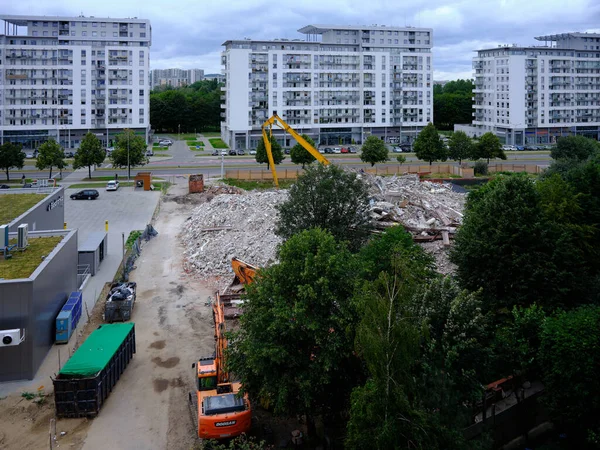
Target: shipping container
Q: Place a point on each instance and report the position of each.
(68, 318)
(89, 376)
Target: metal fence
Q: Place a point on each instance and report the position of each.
(83, 273)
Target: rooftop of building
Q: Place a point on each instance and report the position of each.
(22, 21)
(320, 29)
(22, 263)
(13, 205)
(566, 36)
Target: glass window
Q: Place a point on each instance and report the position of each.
(103, 24)
(84, 24)
(94, 24)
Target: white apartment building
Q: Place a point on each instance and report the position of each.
(532, 95)
(338, 85)
(61, 77)
(175, 77)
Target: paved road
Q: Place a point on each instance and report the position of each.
(183, 161)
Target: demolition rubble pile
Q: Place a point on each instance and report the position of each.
(240, 225)
(431, 212)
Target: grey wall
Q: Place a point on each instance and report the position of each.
(33, 303)
(46, 215)
(15, 305)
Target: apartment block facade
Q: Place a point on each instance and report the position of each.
(175, 77)
(61, 77)
(338, 85)
(533, 95)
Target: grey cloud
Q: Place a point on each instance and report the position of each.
(189, 33)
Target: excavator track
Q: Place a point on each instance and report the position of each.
(193, 405)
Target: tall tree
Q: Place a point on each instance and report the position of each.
(574, 147)
(329, 198)
(429, 147)
(460, 146)
(452, 104)
(130, 150)
(294, 346)
(261, 152)
(570, 358)
(374, 151)
(300, 155)
(90, 153)
(51, 155)
(11, 156)
(489, 147)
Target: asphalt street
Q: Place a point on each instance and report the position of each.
(179, 160)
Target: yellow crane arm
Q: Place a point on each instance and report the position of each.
(278, 121)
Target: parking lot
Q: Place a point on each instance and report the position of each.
(125, 209)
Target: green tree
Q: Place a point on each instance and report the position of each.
(509, 248)
(452, 104)
(574, 147)
(90, 153)
(300, 155)
(261, 152)
(330, 198)
(489, 147)
(374, 151)
(460, 146)
(570, 358)
(401, 159)
(130, 150)
(294, 346)
(51, 155)
(11, 156)
(429, 147)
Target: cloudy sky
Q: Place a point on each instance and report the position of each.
(189, 34)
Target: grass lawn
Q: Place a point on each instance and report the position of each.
(194, 149)
(23, 263)
(217, 143)
(13, 205)
(441, 175)
(211, 134)
(254, 185)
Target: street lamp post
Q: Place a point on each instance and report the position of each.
(128, 167)
(179, 132)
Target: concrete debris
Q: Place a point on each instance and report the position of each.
(229, 225)
(233, 222)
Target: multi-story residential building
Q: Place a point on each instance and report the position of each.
(338, 85)
(215, 76)
(532, 95)
(61, 77)
(175, 77)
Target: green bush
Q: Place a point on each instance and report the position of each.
(480, 168)
(133, 236)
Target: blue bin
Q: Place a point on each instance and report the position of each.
(68, 318)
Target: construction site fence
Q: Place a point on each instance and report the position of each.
(464, 172)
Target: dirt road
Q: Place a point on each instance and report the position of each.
(148, 408)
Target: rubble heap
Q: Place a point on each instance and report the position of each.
(242, 225)
(231, 225)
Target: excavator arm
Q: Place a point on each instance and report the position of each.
(279, 122)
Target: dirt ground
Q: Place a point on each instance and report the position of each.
(148, 407)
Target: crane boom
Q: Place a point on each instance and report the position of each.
(279, 122)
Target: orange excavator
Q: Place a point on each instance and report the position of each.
(219, 409)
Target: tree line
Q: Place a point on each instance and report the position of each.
(357, 331)
(129, 151)
(187, 109)
(453, 103)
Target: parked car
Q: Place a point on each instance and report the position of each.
(30, 154)
(112, 185)
(352, 149)
(215, 153)
(336, 150)
(328, 150)
(520, 148)
(232, 152)
(397, 150)
(241, 152)
(149, 153)
(4, 186)
(68, 154)
(165, 143)
(252, 152)
(89, 194)
(344, 150)
(223, 152)
(109, 150)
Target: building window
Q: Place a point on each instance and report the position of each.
(103, 33)
(143, 35)
(94, 33)
(84, 24)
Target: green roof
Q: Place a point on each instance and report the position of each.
(13, 205)
(97, 350)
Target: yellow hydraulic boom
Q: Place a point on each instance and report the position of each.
(278, 121)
